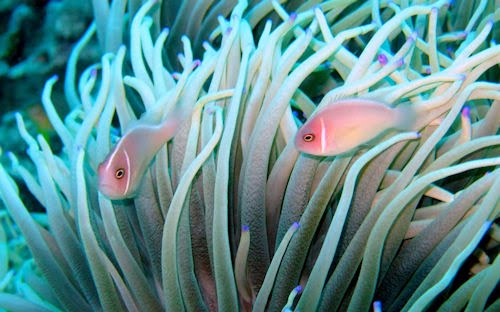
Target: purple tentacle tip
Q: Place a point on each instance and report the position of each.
(229, 30)
(196, 63)
(295, 225)
(298, 289)
(413, 36)
(292, 17)
(382, 59)
(466, 111)
(93, 72)
(400, 62)
(245, 228)
(418, 135)
(377, 306)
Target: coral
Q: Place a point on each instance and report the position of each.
(35, 42)
(230, 216)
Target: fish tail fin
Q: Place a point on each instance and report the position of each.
(406, 117)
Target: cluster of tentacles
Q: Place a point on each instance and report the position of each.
(230, 216)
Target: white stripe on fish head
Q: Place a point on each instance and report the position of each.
(129, 173)
(323, 135)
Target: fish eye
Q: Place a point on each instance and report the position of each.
(120, 173)
(308, 137)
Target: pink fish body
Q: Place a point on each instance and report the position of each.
(341, 126)
(121, 172)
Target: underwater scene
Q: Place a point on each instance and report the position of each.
(243, 155)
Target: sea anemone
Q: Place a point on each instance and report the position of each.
(230, 216)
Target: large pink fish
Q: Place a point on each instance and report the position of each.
(341, 126)
(121, 172)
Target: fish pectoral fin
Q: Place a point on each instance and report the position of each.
(351, 133)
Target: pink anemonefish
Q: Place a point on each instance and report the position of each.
(341, 126)
(121, 172)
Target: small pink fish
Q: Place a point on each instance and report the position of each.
(121, 172)
(343, 125)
